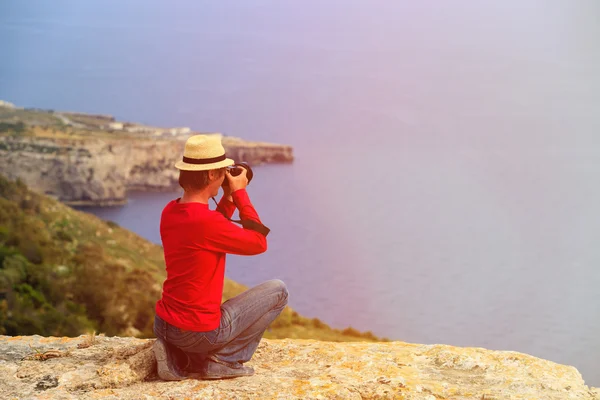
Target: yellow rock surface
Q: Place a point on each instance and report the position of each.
(124, 368)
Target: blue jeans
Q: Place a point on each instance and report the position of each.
(244, 319)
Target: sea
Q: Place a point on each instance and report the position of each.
(445, 187)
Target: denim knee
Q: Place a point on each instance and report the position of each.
(281, 287)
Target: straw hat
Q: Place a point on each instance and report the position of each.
(203, 152)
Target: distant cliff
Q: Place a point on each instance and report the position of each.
(124, 368)
(100, 171)
(83, 159)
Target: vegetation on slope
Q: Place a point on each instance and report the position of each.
(37, 123)
(65, 272)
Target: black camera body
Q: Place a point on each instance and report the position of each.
(236, 169)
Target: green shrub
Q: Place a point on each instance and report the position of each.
(3, 315)
(17, 128)
(112, 224)
(64, 236)
(369, 335)
(350, 331)
(13, 271)
(317, 323)
(4, 232)
(6, 252)
(32, 252)
(30, 296)
(297, 319)
(283, 320)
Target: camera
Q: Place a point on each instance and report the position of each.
(236, 169)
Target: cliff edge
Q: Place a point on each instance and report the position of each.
(86, 367)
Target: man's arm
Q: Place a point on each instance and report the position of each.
(221, 235)
(242, 201)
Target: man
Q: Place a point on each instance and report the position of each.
(197, 336)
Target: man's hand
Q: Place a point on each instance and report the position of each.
(237, 182)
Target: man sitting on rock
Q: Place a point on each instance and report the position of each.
(197, 336)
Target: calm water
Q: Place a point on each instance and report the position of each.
(446, 183)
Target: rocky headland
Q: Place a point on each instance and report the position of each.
(87, 159)
(87, 367)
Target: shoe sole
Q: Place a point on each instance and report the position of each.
(162, 365)
(215, 377)
(224, 375)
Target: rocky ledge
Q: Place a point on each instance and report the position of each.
(35, 367)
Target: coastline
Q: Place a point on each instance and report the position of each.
(93, 160)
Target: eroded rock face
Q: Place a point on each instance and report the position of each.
(124, 368)
(100, 171)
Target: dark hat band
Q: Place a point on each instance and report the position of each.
(203, 160)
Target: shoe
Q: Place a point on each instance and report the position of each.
(166, 363)
(218, 369)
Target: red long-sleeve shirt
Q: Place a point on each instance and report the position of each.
(195, 240)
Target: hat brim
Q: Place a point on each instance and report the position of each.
(203, 167)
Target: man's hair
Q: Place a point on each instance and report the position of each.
(195, 180)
